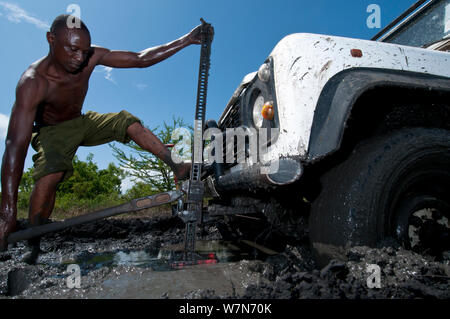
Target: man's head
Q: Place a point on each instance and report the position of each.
(70, 42)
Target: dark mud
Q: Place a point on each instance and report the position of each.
(127, 258)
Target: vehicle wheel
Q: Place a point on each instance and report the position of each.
(392, 186)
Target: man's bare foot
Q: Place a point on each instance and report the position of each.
(31, 257)
(35, 249)
(183, 171)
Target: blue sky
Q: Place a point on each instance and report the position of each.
(245, 33)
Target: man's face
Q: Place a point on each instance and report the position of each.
(71, 48)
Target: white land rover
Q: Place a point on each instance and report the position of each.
(360, 136)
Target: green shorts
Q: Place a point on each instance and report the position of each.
(56, 145)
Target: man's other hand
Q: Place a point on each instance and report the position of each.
(195, 36)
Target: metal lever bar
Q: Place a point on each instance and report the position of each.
(132, 206)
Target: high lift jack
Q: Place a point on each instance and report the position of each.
(189, 196)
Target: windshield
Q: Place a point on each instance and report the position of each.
(430, 25)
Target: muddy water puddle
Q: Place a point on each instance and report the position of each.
(172, 257)
(158, 274)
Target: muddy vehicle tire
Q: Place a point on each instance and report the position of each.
(394, 186)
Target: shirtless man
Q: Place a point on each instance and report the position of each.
(50, 94)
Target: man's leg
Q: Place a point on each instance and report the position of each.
(42, 202)
(148, 141)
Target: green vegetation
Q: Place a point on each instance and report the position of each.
(91, 188)
(88, 188)
(154, 175)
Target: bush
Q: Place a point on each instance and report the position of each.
(140, 189)
(88, 188)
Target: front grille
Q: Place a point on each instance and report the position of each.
(236, 152)
(233, 118)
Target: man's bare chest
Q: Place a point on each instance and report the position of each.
(66, 92)
(64, 99)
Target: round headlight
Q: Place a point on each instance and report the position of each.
(257, 108)
(264, 72)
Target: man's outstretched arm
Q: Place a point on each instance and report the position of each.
(147, 57)
(29, 93)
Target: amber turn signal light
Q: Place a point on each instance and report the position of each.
(267, 111)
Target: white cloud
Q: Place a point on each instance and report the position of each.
(16, 14)
(126, 184)
(141, 86)
(108, 74)
(4, 120)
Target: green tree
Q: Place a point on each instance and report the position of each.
(146, 168)
(88, 182)
(88, 187)
(139, 189)
(25, 189)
